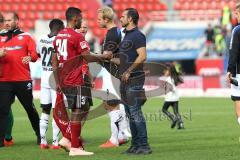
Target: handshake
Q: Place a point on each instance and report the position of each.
(2, 52)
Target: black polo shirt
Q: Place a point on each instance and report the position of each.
(133, 40)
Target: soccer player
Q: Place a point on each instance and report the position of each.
(69, 64)
(233, 70)
(19, 49)
(48, 95)
(68, 45)
(118, 121)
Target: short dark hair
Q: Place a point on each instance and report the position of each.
(72, 12)
(1, 18)
(133, 13)
(56, 24)
(15, 15)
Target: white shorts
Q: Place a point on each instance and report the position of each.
(235, 90)
(48, 96)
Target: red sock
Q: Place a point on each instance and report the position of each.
(67, 133)
(60, 116)
(75, 132)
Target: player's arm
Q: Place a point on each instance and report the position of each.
(234, 51)
(140, 45)
(32, 54)
(115, 61)
(2, 52)
(96, 57)
(55, 65)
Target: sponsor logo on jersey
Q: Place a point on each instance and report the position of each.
(83, 44)
(20, 38)
(46, 41)
(3, 39)
(11, 48)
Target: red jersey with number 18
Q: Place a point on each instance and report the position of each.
(69, 45)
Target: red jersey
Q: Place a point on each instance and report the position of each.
(18, 45)
(69, 44)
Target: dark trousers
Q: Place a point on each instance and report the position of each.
(174, 105)
(23, 91)
(131, 94)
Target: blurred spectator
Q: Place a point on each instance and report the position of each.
(226, 16)
(219, 41)
(227, 39)
(209, 32)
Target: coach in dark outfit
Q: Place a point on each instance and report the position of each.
(132, 56)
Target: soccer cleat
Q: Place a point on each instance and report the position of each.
(8, 143)
(65, 144)
(44, 146)
(174, 123)
(79, 152)
(55, 146)
(180, 125)
(122, 141)
(108, 144)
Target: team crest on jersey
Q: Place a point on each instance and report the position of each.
(83, 44)
(3, 39)
(29, 86)
(20, 38)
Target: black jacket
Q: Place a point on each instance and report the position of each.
(234, 52)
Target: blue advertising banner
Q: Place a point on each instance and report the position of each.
(177, 42)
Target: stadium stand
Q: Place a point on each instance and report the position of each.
(201, 9)
(32, 10)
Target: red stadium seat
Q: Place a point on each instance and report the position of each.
(22, 15)
(15, 7)
(49, 7)
(47, 15)
(30, 23)
(177, 6)
(31, 6)
(40, 7)
(58, 7)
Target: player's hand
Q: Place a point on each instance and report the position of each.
(107, 55)
(125, 76)
(228, 77)
(92, 84)
(3, 52)
(26, 59)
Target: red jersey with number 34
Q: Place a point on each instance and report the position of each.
(69, 45)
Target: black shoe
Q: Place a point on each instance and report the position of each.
(174, 123)
(38, 140)
(180, 125)
(2, 143)
(130, 150)
(143, 150)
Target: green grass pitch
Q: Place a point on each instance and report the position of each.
(211, 133)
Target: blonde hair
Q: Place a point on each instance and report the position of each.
(107, 13)
(238, 5)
